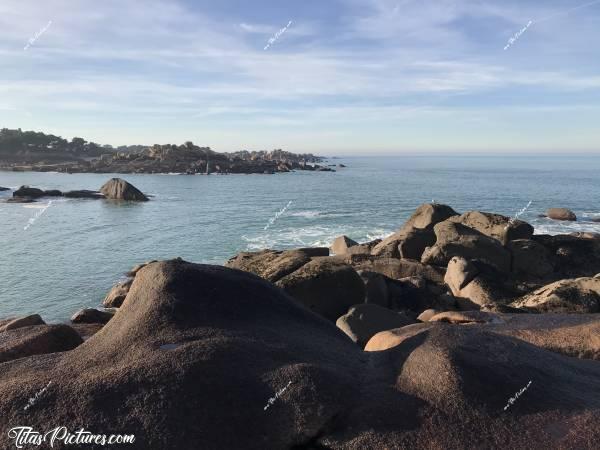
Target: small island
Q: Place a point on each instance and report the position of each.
(33, 151)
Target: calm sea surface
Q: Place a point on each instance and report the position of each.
(75, 250)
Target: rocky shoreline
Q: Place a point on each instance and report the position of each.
(30, 151)
(457, 331)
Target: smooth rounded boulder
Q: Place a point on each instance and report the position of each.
(119, 189)
(325, 286)
(428, 215)
(188, 337)
(561, 214)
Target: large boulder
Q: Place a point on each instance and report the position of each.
(26, 191)
(459, 273)
(455, 239)
(414, 242)
(36, 340)
(418, 231)
(474, 284)
(561, 214)
(341, 245)
(530, 258)
(361, 322)
(273, 265)
(325, 286)
(190, 339)
(428, 215)
(579, 295)
(119, 189)
(495, 225)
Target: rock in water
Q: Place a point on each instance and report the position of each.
(119, 189)
(561, 214)
(26, 191)
(84, 194)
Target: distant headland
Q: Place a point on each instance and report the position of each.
(36, 151)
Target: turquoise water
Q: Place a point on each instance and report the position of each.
(75, 250)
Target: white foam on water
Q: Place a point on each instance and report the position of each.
(315, 236)
(306, 214)
(546, 226)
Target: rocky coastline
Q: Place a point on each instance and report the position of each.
(30, 151)
(457, 331)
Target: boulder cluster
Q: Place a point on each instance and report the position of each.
(420, 340)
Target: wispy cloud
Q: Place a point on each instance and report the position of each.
(107, 68)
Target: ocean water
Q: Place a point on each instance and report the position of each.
(59, 258)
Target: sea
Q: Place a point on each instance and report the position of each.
(59, 256)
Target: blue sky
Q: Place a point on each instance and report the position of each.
(347, 76)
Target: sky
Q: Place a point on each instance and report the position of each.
(345, 77)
